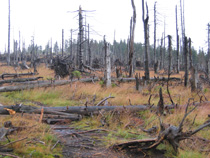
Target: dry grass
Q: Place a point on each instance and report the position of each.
(122, 125)
(39, 137)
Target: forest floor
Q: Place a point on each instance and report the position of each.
(92, 137)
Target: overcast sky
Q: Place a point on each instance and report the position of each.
(45, 19)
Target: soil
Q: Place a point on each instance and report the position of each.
(90, 144)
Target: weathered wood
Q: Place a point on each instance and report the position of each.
(186, 61)
(177, 45)
(19, 80)
(67, 111)
(7, 75)
(132, 31)
(151, 79)
(43, 84)
(146, 40)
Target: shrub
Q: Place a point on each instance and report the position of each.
(76, 74)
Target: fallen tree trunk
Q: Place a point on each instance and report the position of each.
(15, 75)
(19, 80)
(151, 79)
(68, 111)
(43, 84)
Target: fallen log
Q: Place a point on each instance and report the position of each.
(15, 75)
(42, 84)
(19, 80)
(170, 133)
(151, 79)
(68, 111)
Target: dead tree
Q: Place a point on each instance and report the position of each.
(81, 39)
(177, 44)
(146, 40)
(190, 54)
(186, 61)
(155, 59)
(132, 30)
(160, 106)
(164, 44)
(208, 55)
(89, 51)
(161, 53)
(169, 54)
(62, 40)
(194, 79)
(71, 46)
(137, 78)
(8, 55)
(32, 52)
(172, 134)
(107, 74)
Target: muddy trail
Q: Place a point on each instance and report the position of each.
(91, 144)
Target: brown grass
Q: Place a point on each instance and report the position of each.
(82, 92)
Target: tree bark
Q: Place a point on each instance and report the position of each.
(169, 54)
(132, 30)
(177, 44)
(7, 75)
(67, 111)
(19, 80)
(186, 61)
(81, 39)
(146, 39)
(108, 66)
(155, 60)
(42, 84)
(8, 55)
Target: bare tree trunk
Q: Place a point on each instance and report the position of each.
(19, 51)
(146, 38)
(107, 72)
(161, 54)
(155, 60)
(71, 46)
(190, 54)
(81, 37)
(169, 55)
(108, 66)
(186, 61)
(89, 51)
(8, 55)
(105, 57)
(62, 40)
(177, 46)
(132, 30)
(164, 46)
(194, 79)
(208, 55)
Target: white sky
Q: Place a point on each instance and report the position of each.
(45, 19)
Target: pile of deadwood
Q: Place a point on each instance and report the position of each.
(170, 133)
(62, 66)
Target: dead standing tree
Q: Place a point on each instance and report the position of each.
(146, 40)
(81, 41)
(169, 54)
(186, 61)
(107, 72)
(155, 59)
(8, 55)
(177, 46)
(132, 29)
